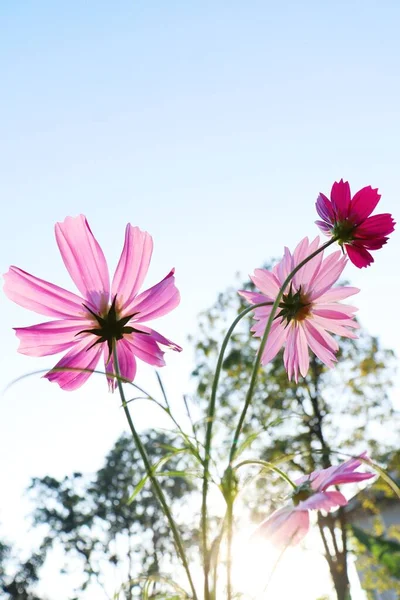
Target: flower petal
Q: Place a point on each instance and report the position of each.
(132, 266)
(363, 204)
(334, 311)
(323, 501)
(285, 527)
(339, 293)
(81, 359)
(275, 341)
(261, 314)
(370, 243)
(322, 347)
(84, 260)
(296, 357)
(376, 226)
(145, 347)
(160, 339)
(41, 296)
(290, 357)
(306, 275)
(329, 272)
(51, 337)
(359, 256)
(284, 267)
(302, 351)
(254, 297)
(341, 198)
(156, 301)
(350, 478)
(336, 327)
(126, 363)
(342, 473)
(302, 250)
(322, 336)
(324, 227)
(267, 282)
(325, 210)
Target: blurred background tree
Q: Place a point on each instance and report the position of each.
(18, 577)
(94, 522)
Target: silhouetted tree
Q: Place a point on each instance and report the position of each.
(92, 518)
(18, 578)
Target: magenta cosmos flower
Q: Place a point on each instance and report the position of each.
(309, 311)
(89, 326)
(288, 525)
(348, 219)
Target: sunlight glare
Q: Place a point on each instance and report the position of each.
(261, 571)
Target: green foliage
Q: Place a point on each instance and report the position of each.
(386, 552)
(375, 576)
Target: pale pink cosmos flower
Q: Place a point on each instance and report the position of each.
(349, 220)
(105, 315)
(309, 311)
(288, 525)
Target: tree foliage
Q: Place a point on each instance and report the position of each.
(18, 577)
(94, 521)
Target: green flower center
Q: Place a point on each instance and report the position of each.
(294, 306)
(343, 231)
(110, 327)
(302, 492)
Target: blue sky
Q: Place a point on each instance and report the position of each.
(212, 125)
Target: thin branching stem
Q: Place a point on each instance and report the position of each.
(208, 440)
(270, 466)
(156, 486)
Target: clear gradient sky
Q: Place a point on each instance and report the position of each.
(213, 125)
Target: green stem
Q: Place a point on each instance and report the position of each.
(156, 486)
(210, 422)
(229, 523)
(215, 552)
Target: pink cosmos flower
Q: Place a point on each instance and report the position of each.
(309, 311)
(288, 525)
(349, 220)
(90, 325)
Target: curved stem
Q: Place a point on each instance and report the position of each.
(210, 422)
(263, 343)
(156, 486)
(267, 465)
